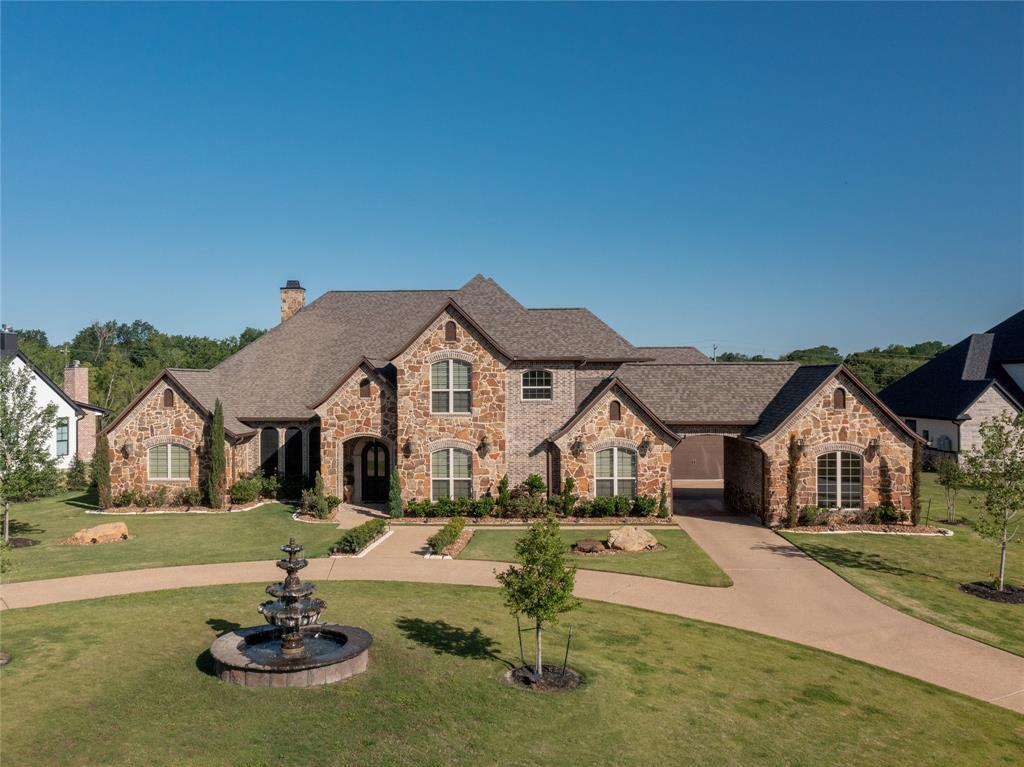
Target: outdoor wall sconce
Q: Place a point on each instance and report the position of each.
(577, 447)
(126, 450)
(644, 446)
(484, 447)
(801, 445)
(408, 447)
(873, 443)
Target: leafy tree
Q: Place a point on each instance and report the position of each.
(27, 470)
(997, 467)
(216, 465)
(541, 587)
(395, 494)
(78, 475)
(951, 477)
(817, 355)
(792, 481)
(101, 470)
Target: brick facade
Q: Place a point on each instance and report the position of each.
(990, 404)
(531, 422)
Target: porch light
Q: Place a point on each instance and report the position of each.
(801, 445)
(873, 443)
(408, 447)
(577, 447)
(484, 447)
(644, 446)
(126, 450)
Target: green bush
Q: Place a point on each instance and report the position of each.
(316, 503)
(483, 507)
(271, 486)
(504, 497)
(447, 535)
(246, 490)
(644, 506)
(77, 477)
(160, 497)
(662, 502)
(124, 498)
(810, 515)
(566, 498)
(358, 538)
(418, 508)
(30, 483)
(884, 514)
(534, 485)
(526, 506)
(143, 500)
(395, 494)
(189, 496)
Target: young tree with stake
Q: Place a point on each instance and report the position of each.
(997, 468)
(541, 586)
(951, 477)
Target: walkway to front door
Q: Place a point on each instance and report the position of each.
(375, 473)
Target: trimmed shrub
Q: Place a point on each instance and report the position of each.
(885, 514)
(395, 494)
(159, 497)
(215, 461)
(271, 486)
(568, 500)
(315, 503)
(358, 538)
(447, 535)
(246, 489)
(623, 505)
(662, 502)
(143, 500)
(483, 507)
(101, 470)
(189, 496)
(644, 506)
(418, 508)
(503, 494)
(810, 515)
(124, 498)
(534, 485)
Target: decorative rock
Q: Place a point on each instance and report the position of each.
(589, 546)
(631, 538)
(106, 533)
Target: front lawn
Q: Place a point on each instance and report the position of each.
(681, 560)
(126, 681)
(160, 539)
(921, 576)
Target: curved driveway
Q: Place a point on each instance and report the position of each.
(777, 591)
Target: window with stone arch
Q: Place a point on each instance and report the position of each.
(168, 398)
(168, 462)
(615, 411)
(450, 386)
(839, 398)
(451, 473)
(840, 480)
(615, 472)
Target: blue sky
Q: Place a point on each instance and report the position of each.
(761, 176)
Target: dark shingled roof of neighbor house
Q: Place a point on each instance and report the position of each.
(674, 355)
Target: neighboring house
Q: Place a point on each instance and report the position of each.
(77, 420)
(456, 388)
(948, 398)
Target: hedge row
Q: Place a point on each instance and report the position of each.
(358, 538)
(528, 507)
(447, 535)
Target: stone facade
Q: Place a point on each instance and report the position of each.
(293, 298)
(420, 431)
(595, 431)
(744, 470)
(824, 428)
(347, 415)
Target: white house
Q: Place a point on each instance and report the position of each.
(77, 420)
(948, 398)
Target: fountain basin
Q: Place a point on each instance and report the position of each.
(252, 656)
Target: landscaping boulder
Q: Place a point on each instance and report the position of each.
(105, 533)
(631, 538)
(589, 546)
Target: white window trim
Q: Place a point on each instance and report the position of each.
(451, 390)
(523, 387)
(839, 480)
(167, 447)
(615, 478)
(451, 472)
(66, 424)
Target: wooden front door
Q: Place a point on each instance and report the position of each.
(375, 473)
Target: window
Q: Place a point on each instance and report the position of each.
(62, 437)
(945, 443)
(449, 386)
(169, 462)
(926, 435)
(839, 399)
(376, 461)
(616, 472)
(839, 481)
(268, 451)
(450, 331)
(451, 474)
(168, 398)
(537, 384)
(912, 424)
(364, 388)
(615, 411)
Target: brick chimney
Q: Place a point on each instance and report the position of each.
(293, 298)
(76, 382)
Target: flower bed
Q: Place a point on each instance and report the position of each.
(184, 509)
(854, 527)
(358, 538)
(519, 522)
(443, 540)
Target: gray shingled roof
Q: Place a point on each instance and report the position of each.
(674, 355)
(708, 393)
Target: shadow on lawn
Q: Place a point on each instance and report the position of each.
(450, 640)
(19, 528)
(204, 662)
(859, 560)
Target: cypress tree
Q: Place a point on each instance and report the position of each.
(216, 464)
(101, 470)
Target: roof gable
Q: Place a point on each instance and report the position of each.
(38, 372)
(618, 388)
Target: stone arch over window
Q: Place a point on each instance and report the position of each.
(615, 472)
(364, 388)
(831, 447)
(839, 398)
(449, 354)
(168, 397)
(169, 461)
(451, 331)
(626, 444)
(840, 480)
(615, 410)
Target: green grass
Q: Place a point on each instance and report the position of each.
(921, 576)
(160, 540)
(681, 560)
(126, 681)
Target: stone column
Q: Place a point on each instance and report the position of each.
(280, 451)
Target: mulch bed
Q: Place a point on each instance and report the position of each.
(554, 680)
(1010, 595)
(461, 542)
(142, 510)
(606, 551)
(518, 521)
(866, 528)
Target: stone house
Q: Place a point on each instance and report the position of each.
(948, 398)
(455, 389)
(78, 421)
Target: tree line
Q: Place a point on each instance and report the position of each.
(876, 367)
(123, 357)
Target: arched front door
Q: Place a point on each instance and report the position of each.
(375, 473)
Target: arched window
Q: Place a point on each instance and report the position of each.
(537, 384)
(168, 398)
(615, 470)
(364, 388)
(839, 399)
(451, 473)
(168, 462)
(293, 453)
(840, 480)
(450, 331)
(314, 451)
(449, 386)
(615, 411)
(268, 451)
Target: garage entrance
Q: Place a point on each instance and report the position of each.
(698, 457)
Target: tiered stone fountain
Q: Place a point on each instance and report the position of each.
(294, 650)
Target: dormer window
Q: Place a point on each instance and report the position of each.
(450, 331)
(537, 384)
(364, 388)
(615, 411)
(839, 399)
(168, 398)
